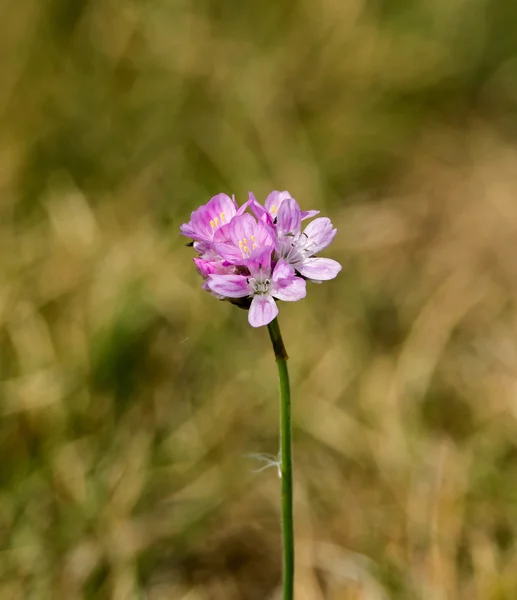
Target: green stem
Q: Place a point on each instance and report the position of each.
(286, 460)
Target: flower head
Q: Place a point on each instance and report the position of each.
(263, 259)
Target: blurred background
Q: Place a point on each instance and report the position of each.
(130, 400)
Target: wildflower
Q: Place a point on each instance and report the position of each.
(242, 239)
(209, 217)
(299, 248)
(252, 262)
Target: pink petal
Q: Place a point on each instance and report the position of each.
(207, 267)
(242, 227)
(258, 210)
(202, 247)
(320, 269)
(264, 234)
(274, 201)
(231, 286)
(320, 234)
(289, 217)
(187, 230)
(283, 270)
(225, 247)
(221, 206)
(223, 234)
(248, 203)
(290, 290)
(230, 252)
(262, 311)
(308, 214)
(205, 220)
(259, 262)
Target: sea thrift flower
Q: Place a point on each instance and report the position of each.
(252, 261)
(207, 219)
(299, 248)
(243, 238)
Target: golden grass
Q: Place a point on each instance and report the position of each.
(130, 399)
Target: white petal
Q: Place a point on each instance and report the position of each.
(262, 311)
(320, 269)
(290, 290)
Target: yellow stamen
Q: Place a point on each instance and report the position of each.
(212, 224)
(222, 217)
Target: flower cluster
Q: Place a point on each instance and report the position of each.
(253, 260)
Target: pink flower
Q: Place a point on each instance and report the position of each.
(243, 238)
(263, 259)
(207, 219)
(263, 284)
(298, 248)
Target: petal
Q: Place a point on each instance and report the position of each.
(249, 202)
(222, 207)
(283, 270)
(230, 286)
(208, 267)
(258, 210)
(289, 217)
(320, 234)
(262, 311)
(308, 214)
(202, 247)
(205, 267)
(206, 219)
(187, 230)
(320, 269)
(241, 228)
(274, 201)
(241, 238)
(265, 234)
(231, 253)
(291, 289)
(225, 246)
(197, 230)
(223, 234)
(206, 288)
(259, 262)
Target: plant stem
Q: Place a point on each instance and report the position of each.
(286, 461)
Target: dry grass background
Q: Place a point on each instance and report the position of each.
(129, 399)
